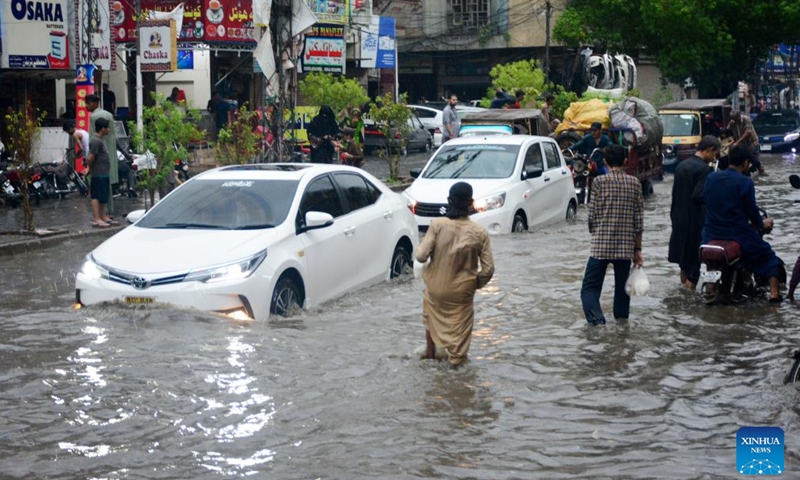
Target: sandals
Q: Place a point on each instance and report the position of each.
(100, 224)
(112, 222)
(777, 299)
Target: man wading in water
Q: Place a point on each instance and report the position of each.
(461, 263)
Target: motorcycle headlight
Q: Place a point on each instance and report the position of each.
(93, 270)
(669, 150)
(491, 202)
(791, 137)
(229, 271)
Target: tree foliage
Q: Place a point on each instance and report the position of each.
(523, 75)
(338, 92)
(24, 128)
(716, 43)
(237, 142)
(392, 118)
(167, 131)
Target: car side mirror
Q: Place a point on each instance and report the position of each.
(531, 172)
(317, 220)
(135, 215)
(414, 172)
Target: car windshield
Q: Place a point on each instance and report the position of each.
(780, 120)
(680, 125)
(223, 205)
(473, 161)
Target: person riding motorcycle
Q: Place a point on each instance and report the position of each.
(592, 145)
(732, 214)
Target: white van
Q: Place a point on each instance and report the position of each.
(519, 182)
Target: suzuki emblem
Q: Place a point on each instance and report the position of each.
(139, 283)
(443, 210)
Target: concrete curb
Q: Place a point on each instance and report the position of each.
(37, 243)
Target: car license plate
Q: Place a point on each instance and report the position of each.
(37, 184)
(712, 276)
(766, 148)
(139, 300)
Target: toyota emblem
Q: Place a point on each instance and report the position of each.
(443, 210)
(139, 283)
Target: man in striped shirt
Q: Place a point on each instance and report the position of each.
(616, 221)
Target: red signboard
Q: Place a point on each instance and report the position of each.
(210, 21)
(228, 21)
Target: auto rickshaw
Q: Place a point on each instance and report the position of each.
(523, 121)
(686, 122)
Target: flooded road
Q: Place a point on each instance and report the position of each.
(339, 392)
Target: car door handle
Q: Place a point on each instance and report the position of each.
(350, 231)
(388, 214)
(546, 179)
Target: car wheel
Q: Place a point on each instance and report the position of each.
(519, 225)
(794, 372)
(572, 210)
(401, 263)
(285, 298)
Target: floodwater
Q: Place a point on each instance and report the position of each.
(338, 392)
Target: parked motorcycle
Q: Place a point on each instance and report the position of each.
(61, 179)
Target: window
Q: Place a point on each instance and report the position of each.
(553, 158)
(356, 190)
(533, 157)
(320, 196)
(469, 14)
(423, 113)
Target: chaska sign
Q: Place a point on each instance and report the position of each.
(159, 46)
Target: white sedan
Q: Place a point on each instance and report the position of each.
(432, 118)
(520, 182)
(255, 240)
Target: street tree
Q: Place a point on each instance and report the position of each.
(522, 75)
(237, 142)
(392, 119)
(167, 131)
(715, 43)
(336, 91)
(24, 128)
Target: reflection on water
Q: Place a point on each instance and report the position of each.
(337, 392)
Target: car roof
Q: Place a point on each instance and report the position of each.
(496, 140)
(275, 171)
(503, 114)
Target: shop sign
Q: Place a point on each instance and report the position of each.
(35, 34)
(158, 46)
(84, 86)
(333, 11)
(324, 49)
(97, 34)
(378, 43)
(229, 22)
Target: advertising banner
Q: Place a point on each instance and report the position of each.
(331, 11)
(386, 44)
(229, 22)
(211, 21)
(35, 34)
(324, 49)
(158, 46)
(84, 85)
(97, 34)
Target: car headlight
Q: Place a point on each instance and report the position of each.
(410, 203)
(791, 137)
(229, 271)
(490, 203)
(93, 270)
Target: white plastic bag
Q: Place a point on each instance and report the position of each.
(419, 267)
(637, 283)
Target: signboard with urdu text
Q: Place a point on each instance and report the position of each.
(324, 49)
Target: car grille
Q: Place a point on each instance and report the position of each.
(430, 209)
(129, 279)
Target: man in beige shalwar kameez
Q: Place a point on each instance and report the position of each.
(461, 263)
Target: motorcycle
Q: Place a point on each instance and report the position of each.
(61, 179)
(726, 279)
(584, 170)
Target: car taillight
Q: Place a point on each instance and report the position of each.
(437, 130)
(134, 167)
(398, 136)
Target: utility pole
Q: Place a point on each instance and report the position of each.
(139, 88)
(548, 13)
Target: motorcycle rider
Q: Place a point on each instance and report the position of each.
(592, 141)
(732, 214)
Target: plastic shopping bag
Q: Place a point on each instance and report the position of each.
(419, 267)
(637, 284)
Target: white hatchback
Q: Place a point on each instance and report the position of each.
(254, 240)
(519, 182)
